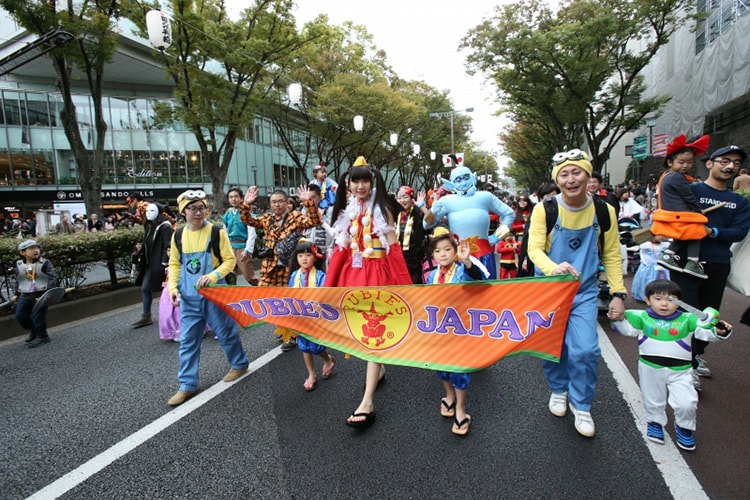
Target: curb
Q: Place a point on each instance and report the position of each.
(74, 310)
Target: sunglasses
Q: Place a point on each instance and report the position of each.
(572, 155)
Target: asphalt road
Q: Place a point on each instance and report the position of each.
(86, 417)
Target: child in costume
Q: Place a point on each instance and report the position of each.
(454, 266)
(34, 276)
(679, 215)
(665, 362)
(508, 249)
(649, 268)
(306, 267)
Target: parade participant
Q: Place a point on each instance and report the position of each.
(322, 234)
(525, 266)
(572, 381)
(508, 250)
(192, 266)
(136, 208)
(664, 363)
(728, 216)
(410, 232)
(241, 236)
(523, 212)
(307, 270)
(34, 276)
(154, 259)
(595, 187)
(649, 268)
(679, 214)
(326, 185)
(468, 212)
(367, 253)
(454, 266)
(281, 223)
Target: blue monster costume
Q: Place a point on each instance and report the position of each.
(468, 212)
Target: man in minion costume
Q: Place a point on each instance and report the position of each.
(193, 265)
(572, 247)
(468, 212)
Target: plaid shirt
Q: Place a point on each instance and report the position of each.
(272, 274)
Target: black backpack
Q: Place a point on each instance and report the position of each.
(231, 278)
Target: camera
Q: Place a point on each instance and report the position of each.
(265, 253)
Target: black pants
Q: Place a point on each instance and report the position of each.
(702, 293)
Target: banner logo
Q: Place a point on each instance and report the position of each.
(377, 320)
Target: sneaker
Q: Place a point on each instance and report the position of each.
(584, 423)
(234, 374)
(288, 346)
(696, 381)
(702, 370)
(670, 261)
(655, 432)
(558, 403)
(180, 397)
(695, 269)
(38, 341)
(685, 438)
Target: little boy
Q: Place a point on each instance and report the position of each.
(34, 276)
(665, 362)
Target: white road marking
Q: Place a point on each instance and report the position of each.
(99, 462)
(680, 480)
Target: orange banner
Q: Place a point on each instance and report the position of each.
(457, 327)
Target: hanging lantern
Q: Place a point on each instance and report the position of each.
(394, 139)
(294, 91)
(159, 29)
(416, 149)
(359, 123)
(433, 155)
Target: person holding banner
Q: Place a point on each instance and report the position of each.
(366, 253)
(572, 247)
(454, 266)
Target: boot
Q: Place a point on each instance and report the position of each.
(144, 321)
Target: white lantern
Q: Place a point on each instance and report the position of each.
(394, 139)
(159, 29)
(295, 94)
(359, 123)
(433, 155)
(415, 148)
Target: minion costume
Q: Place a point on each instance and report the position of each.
(574, 239)
(185, 269)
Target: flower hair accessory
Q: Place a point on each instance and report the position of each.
(699, 146)
(313, 247)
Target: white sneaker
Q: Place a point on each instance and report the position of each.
(558, 403)
(702, 369)
(584, 423)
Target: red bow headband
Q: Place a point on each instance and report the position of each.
(406, 190)
(699, 146)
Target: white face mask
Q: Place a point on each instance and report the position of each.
(152, 211)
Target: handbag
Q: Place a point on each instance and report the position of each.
(285, 248)
(739, 276)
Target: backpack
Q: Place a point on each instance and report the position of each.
(602, 217)
(231, 278)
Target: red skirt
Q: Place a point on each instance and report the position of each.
(389, 270)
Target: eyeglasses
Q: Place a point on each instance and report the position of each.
(196, 208)
(572, 155)
(726, 162)
(278, 202)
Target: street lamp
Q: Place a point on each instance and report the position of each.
(451, 114)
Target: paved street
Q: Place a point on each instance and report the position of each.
(86, 417)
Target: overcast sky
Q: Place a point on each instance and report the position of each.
(421, 39)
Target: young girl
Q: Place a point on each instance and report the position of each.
(366, 253)
(679, 214)
(649, 268)
(508, 249)
(445, 250)
(306, 270)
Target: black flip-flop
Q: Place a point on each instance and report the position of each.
(361, 424)
(447, 410)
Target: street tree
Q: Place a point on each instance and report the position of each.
(84, 59)
(579, 67)
(223, 70)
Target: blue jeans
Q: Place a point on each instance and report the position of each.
(36, 322)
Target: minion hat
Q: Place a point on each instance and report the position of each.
(189, 197)
(27, 244)
(360, 162)
(573, 157)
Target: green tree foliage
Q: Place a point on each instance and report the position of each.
(574, 73)
(85, 58)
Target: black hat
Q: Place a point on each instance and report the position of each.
(729, 149)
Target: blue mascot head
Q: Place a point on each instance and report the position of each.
(463, 182)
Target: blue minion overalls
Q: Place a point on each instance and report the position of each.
(195, 312)
(579, 361)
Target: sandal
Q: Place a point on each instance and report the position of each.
(447, 410)
(310, 384)
(458, 427)
(328, 371)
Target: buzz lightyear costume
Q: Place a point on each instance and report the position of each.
(665, 361)
(468, 212)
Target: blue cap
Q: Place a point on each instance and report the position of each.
(27, 244)
(729, 149)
